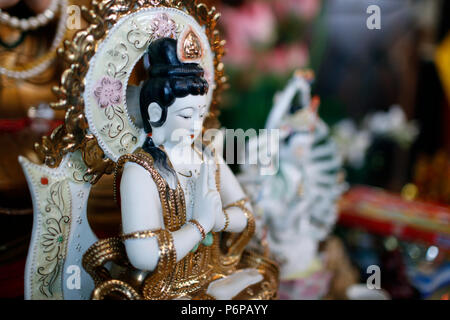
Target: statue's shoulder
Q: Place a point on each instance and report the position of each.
(139, 156)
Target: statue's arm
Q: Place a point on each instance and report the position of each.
(141, 211)
(231, 192)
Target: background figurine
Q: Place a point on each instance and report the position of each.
(297, 205)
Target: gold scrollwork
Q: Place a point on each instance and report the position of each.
(119, 53)
(53, 239)
(73, 134)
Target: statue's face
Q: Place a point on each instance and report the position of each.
(184, 120)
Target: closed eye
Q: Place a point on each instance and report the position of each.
(186, 113)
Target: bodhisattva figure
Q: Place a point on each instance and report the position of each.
(185, 218)
(185, 221)
(298, 204)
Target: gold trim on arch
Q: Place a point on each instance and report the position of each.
(104, 14)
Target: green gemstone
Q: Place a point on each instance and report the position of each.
(60, 239)
(195, 248)
(208, 241)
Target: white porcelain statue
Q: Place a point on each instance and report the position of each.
(186, 221)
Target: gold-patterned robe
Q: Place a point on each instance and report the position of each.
(190, 277)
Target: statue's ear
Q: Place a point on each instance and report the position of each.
(154, 112)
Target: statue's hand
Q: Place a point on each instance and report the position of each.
(219, 223)
(207, 198)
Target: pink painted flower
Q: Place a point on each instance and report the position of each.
(163, 27)
(108, 91)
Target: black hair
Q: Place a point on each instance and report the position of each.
(168, 79)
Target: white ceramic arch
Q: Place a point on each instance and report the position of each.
(113, 64)
(61, 233)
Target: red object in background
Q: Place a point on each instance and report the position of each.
(386, 213)
(12, 279)
(395, 278)
(15, 125)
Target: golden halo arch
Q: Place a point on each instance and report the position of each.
(75, 133)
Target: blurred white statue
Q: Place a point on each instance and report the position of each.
(297, 205)
(354, 140)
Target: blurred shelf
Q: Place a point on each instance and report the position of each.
(385, 213)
